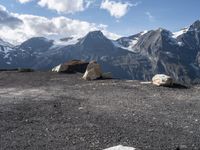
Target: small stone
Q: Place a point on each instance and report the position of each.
(80, 108)
(182, 147)
(120, 147)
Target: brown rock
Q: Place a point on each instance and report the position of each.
(73, 66)
(93, 71)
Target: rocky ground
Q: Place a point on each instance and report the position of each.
(50, 111)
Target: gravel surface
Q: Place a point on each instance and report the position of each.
(49, 111)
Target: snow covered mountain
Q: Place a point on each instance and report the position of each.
(5, 53)
(128, 43)
(138, 56)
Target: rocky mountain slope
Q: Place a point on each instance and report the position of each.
(136, 57)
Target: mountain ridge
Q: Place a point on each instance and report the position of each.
(139, 56)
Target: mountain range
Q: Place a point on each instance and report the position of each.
(137, 57)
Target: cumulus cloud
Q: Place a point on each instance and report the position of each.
(116, 9)
(65, 6)
(7, 19)
(57, 27)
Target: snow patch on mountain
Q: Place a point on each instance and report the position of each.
(128, 43)
(144, 32)
(180, 43)
(177, 34)
(130, 46)
(8, 62)
(172, 37)
(6, 44)
(5, 50)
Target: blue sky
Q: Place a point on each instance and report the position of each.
(140, 14)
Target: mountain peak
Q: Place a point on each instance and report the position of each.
(37, 43)
(95, 34)
(195, 25)
(39, 39)
(162, 30)
(96, 41)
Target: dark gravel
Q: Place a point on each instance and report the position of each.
(49, 111)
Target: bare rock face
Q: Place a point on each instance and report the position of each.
(162, 80)
(73, 66)
(120, 147)
(93, 71)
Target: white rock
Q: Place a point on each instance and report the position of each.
(57, 68)
(93, 71)
(162, 80)
(60, 68)
(120, 147)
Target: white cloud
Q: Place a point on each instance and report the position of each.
(150, 16)
(111, 35)
(24, 1)
(57, 27)
(116, 9)
(65, 6)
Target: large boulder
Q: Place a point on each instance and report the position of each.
(120, 147)
(73, 66)
(162, 80)
(93, 71)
